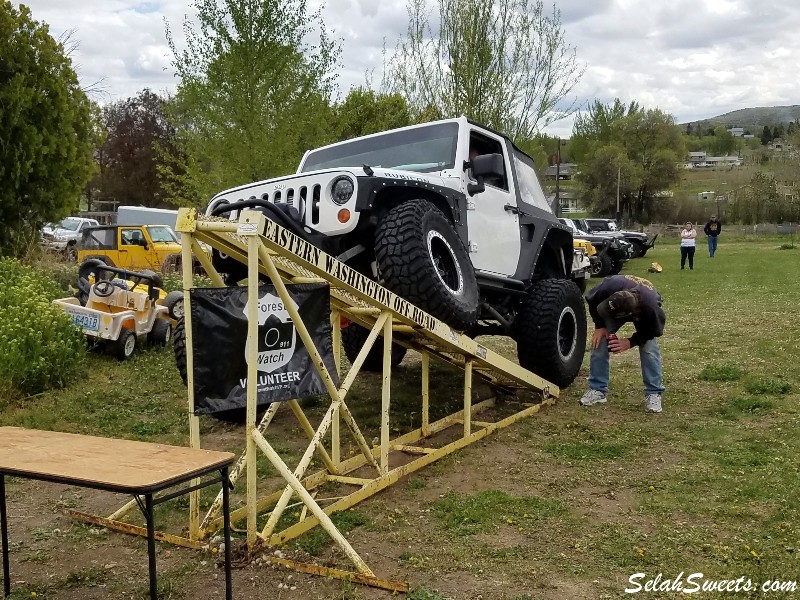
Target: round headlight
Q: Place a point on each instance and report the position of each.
(342, 190)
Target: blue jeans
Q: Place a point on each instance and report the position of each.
(649, 356)
(712, 245)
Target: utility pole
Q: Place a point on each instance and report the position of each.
(619, 215)
(558, 176)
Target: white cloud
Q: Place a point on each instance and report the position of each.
(691, 58)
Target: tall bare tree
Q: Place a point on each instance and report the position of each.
(505, 63)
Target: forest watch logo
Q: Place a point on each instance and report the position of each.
(276, 333)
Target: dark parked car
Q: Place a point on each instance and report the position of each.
(637, 239)
(612, 249)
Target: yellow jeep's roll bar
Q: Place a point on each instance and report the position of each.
(269, 249)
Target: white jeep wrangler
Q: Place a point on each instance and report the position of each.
(451, 216)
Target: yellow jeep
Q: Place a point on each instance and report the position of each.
(132, 247)
(584, 245)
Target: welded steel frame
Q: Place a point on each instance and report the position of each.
(267, 248)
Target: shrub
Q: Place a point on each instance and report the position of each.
(40, 349)
(174, 281)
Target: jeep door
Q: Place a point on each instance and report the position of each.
(163, 244)
(492, 220)
(134, 251)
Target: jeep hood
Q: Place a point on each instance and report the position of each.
(436, 178)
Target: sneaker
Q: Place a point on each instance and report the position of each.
(593, 397)
(652, 403)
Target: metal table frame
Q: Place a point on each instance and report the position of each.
(147, 507)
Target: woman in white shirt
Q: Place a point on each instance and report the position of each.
(688, 242)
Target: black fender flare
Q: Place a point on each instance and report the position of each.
(373, 193)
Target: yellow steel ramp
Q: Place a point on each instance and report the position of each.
(271, 250)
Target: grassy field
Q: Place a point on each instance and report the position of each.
(568, 504)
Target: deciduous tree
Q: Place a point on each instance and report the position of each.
(128, 157)
(252, 96)
(638, 148)
(46, 129)
(365, 111)
(506, 64)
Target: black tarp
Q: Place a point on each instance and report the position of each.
(285, 368)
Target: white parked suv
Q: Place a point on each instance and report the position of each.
(451, 216)
(64, 236)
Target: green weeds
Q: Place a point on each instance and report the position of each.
(715, 372)
(488, 510)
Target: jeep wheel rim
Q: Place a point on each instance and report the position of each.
(567, 329)
(445, 262)
(177, 310)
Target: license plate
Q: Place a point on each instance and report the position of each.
(88, 322)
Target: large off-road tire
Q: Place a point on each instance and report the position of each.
(421, 258)
(157, 280)
(236, 415)
(602, 266)
(638, 248)
(550, 331)
(125, 344)
(84, 271)
(353, 338)
(179, 347)
(104, 259)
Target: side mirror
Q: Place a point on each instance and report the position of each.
(484, 165)
(143, 243)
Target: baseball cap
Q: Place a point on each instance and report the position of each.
(618, 305)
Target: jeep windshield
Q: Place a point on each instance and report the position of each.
(162, 233)
(70, 224)
(422, 149)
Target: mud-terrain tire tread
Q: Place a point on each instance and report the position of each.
(536, 330)
(179, 347)
(406, 268)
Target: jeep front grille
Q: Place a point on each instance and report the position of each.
(299, 198)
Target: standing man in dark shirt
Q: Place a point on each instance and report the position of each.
(617, 300)
(712, 229)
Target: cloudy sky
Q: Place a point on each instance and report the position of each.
(690, 58)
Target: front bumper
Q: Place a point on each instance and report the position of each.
(57, 245)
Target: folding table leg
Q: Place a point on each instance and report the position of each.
(151, 545)
(226, 524)
(4, 527)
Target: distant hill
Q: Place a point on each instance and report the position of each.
(754, 118)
